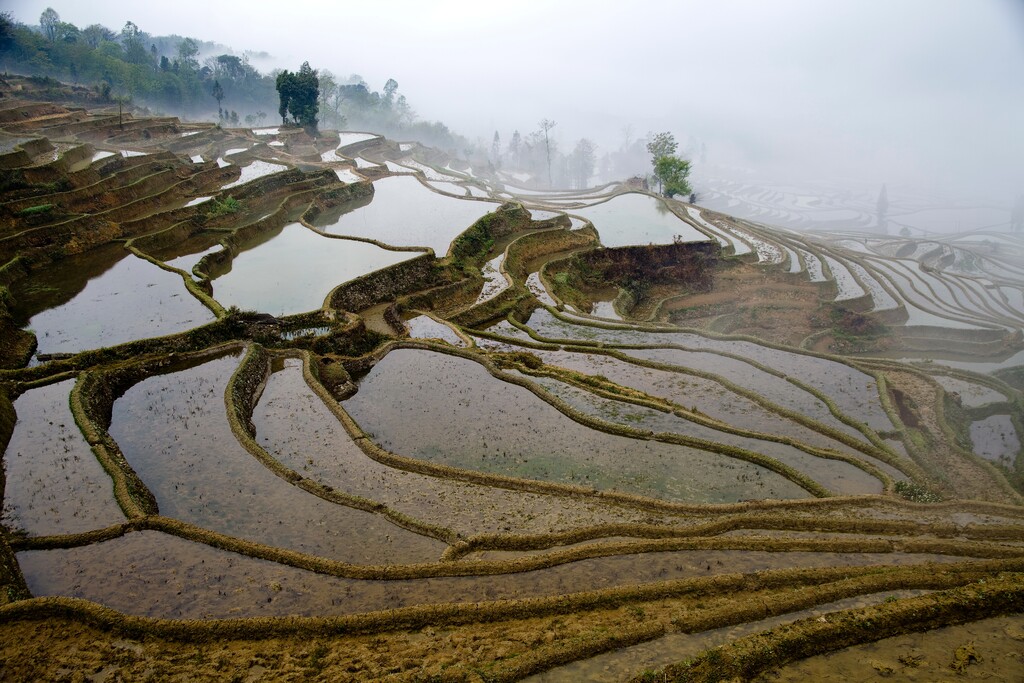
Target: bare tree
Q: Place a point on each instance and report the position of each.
(581, 163)
(49, 20)
(496, 150)
(545, 126)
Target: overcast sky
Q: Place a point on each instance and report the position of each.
(927, 93)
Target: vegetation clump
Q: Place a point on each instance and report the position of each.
(33, 210)
(223, 207)
(916, 493)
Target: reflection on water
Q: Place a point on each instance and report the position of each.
(132, 300)
(452, 411)
(404, 213)
(638, 219)
(295, 426)
(837, 476)
(174, 432)
(296, 270)
(55, 485)
(153, 574)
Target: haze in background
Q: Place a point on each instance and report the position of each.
(917, 93)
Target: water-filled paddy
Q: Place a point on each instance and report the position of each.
(425, 327)
(255, 169)
(814, 268)
(132, 300)
(452, 411)
(847, 285)
(294, 425)
(346, 139)
(688, 391)
(883, 300)
(152, 574)
(995, 438)
(675, 647)
(54, 485)
(537, 288)
(405, 213)
(633, 218)
(972, 395)
(296, 269)
(854, 392)
(347, 175)
(775, 389)
(174, 431)
(495, 281)
(835, 475)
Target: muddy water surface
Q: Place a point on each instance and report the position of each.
(621, 664)
(154, 574)
(405, 213)
(688, 391)
(835, 475)
(294, 271)
(771, 387)
(425, 327)
(294, 425)
(633, 218)
(132, 300)
(452, 411)
(55, 485)
(174, 432)
(853, 391)
(995, 438)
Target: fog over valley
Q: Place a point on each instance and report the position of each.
(921, 95)
(543, 342)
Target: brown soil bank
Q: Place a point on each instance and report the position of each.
(59, 639)
(637, 270)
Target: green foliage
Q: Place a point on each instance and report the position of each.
(223, 207)
(475, 241)
(673, 173)
(33, 210)
(661, 145)
(299, 94)
(916, 493)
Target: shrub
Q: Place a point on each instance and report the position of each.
(33, 210)
(223, 207)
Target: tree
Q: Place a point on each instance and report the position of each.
(49, 20)
(673, 173)
(6, 31)
(94, 34)
(406, 114)
(188, 51)
(496, 150)
(545, 126)
(389, 91)
(285, 88)
(299, 94)
(658, 146)
(218, 94)
(883, 209)
(581, 163)
(513, 148)
(134, 47)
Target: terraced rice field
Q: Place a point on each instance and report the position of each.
(275, 437)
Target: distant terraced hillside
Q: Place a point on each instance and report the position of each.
(345, 408)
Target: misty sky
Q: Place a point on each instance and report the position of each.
(923, 93)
